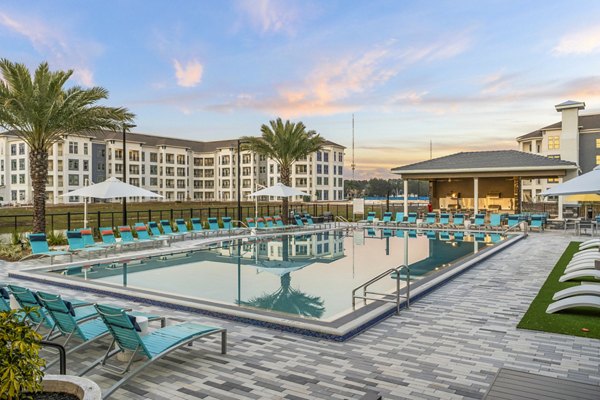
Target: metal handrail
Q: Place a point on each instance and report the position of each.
(62, 355)
(504, 232)
(384, 298)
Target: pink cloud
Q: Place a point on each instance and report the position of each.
(188, 75)
(584, 41)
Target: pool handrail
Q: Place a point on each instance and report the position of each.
(384, 298)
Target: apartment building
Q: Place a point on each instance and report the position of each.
(178, 169)
(575, 138)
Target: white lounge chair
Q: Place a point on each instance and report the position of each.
(590, 260)
(583, 289)
(579, 266)
(588, 244)
(586, 254)
(593, 273)
(572, 302)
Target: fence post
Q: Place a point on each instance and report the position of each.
(191, 213)
(68, 220)
(171, 214)
(112, 219)
(51, 222)
(16, 224)
(208, 213)
(99, 220)
(348, 218)
(149, 215)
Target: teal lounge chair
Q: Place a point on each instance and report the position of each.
(412, 233)
(128, 239)
(108, 237)
(445, 235)
(153, 346)
(399, 218)
(371, 217)
(260, 223)
(298, 220)
(537, 222)
(76, 244)
(197, 226)
(387, 218)
(213, 225)
(87, 234)
(495, 221)
(228, 226)
(279, 223)
(39, 247)
(430, 219)
(513, 220)
(459, 236)
(182, 227)
(459, 220)
(479, 221)
(143, 236)
(250, 222)
(412, 218)
(4, 300)
(430, 234)
(387, 232)
(156, 233)
(168, 230)
(479, 237)
(444, 219)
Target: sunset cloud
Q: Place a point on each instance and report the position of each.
(188, 75)
(58, 46)
(584, 41)
(269, 16)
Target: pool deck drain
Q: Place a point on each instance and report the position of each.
(449, 345)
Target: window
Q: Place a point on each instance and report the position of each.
(13, 152)
(209, 162)
(73, 148)
(153, 157)
(170, 158)
(225, 184)
(553, 142)
(198, 162)
(134, 181)
(301, 169)
(134, 169)
(118, 154)
(597, 160)
(225, 172)
(209, 184)
(181, 159)
(198, 184)
(552, 180)
(134, 155)
(340, 183)
(86, 165)
(169, 171)
(13, 179)
(2, 165)
(73, 165)
(209, 173)
(246, 158)
(246, 183)
(13, 165)
(225, 159)
(319, 180)
(153, 181)
(325, 182)
(21, 164)
(300, 182)
(263, 170)
(246, 171)
(325, 157)
(318, 156)
(598, 143)
(325, 168)
(118, 168)
(21, 149)
(554, 156)
(340, 170)
(73, 180)
(85, 149)
(153, 170)
(180, 171)
(13, 195)
(340, 156)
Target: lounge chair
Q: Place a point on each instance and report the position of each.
(399, 218)
(584, 273)
(578, 266)
(310, 222)
(41, 317)
(76, 244)
(513, 220)
(260, 223)
(142, 233)
(430, 219)
(589, 244)
(574, 302)
(578, 290)
(213, 225)
(108, 237)
(39, 247)
(445, 235)
(197, 226)
(250, 222)
(458, 221)
(387, 218)
(156, 233)
(459, 236)
(298, 220)
(168, 230)
(4, 300)
(279, 223)
(387, 232)
(128, 239)
(479, 222)
(87, 234)
(182, 227)
(154, 346)
(370, 217)
(412, 218)
(430, 234)
(444, 219)
(495, 221)
(228, 225)
(537, 222)
(412, 233)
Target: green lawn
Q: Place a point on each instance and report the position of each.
(569, 322)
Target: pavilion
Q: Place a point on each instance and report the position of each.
(489, 180)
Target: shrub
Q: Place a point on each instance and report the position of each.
(20, 361)
(12, 252)
(56, 239)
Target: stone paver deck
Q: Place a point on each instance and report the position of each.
(449, 345)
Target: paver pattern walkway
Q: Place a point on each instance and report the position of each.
(449, 345)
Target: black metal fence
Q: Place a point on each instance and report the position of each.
(97, 219)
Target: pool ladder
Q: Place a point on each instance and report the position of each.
(385, 297)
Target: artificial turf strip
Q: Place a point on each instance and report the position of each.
(568, 322)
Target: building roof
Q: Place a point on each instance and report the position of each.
(154, 140)
(486, 161)
(591, 121)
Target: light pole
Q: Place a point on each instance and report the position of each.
(126, 127)
(239, 188)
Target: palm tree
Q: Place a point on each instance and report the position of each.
(285, 143)
(40, 111)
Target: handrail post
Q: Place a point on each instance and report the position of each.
(62, 355)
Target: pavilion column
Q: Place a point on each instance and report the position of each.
(405, 198)
(560, 201)
(476, 195)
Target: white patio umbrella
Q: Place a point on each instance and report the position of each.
(277, 190)
(583, 184)
(112, 188)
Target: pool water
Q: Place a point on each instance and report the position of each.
(310, 276)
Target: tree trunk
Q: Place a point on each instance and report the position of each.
(285, 205)
(38, 164)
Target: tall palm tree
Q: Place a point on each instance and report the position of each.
(40, 111)
(285, 143)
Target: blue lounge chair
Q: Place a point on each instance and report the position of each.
(430, 234)
(513, 220)
(412, 233)
(127, 237)
(168, 230)
(87, 234)
(412, 218)
(430, 219)
(260, 223)
(4, 300)
(182, 227)
(228, 225)
(445, 235)
(76, 244)
(156, 233)
(400, 233)
(479, 237)
(479, 221)
(444, 219)
(153, 346)
(537, 222)
(387, 218)
(213, 225)
(371, 217)
(250, 222)
(386, 232)
(298, 220)
(399, 218)
(459, 236)
(143, 236)
(495, 221)
(39, 247)
(459, 220)
(197, 226)
(108, 238)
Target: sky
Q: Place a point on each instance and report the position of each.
(461, 75)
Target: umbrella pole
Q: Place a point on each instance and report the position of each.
(85, 220)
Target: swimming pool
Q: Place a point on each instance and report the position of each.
(291, 279)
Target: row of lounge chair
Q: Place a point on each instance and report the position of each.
(458, 220)
(276, 222)
(86, 322)
(581, 266)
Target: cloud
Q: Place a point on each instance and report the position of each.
(268, 16)
(585, 41)
(188, 75)
(63, 50)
